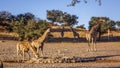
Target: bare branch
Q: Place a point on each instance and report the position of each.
(74, 2)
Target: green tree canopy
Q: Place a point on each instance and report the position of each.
(81, 26)
(5, 20)
(54, 15)
(118, 24)
(26, 17)
(108, 24)
(25, 25)
(32, 30)
(62, 18)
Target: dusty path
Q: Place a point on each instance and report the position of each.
(108, 52)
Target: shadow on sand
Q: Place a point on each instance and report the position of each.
(74, 59)
(1, 64)
(103, 39)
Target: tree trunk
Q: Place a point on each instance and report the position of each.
(99, 36)
(108, 34)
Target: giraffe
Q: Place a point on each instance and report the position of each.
(25, 46)
(91, 36)
(39, 43)
(76, 35)
(109, 34)
(62, 32)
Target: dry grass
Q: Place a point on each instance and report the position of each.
(67, 34)
(10, 34)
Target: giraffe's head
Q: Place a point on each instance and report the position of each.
(101, 20)
(37, 55)
(48, 30)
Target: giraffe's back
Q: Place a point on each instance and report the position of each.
(23, 46)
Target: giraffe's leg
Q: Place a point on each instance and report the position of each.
(92, 45)
(95, 49)
(88, 39)
(37, 53)
(28, 55)
(42, 51)
(20, 55)
(89, 45)
(42, 44)
(108, 37)
(37, 50)
(23, 55)
(17, 54)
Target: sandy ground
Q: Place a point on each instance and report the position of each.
(108, 52)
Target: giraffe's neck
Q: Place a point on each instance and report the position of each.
(94, 28)
(27, 45)
(42, 38)
(32, 49)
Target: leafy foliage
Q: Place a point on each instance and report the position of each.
(4, 19)
(62, 17)
(32, 30)
(74, 2)
(81, 26)
(24, 25)
(118, 24)
(108, 24)
(54, 15)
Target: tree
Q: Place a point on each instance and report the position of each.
(69, 20)
(93, 21)
(25, 25)
(111, 24)
(4, 15)
(5, 20)
(29, 16)
(51, 16)
(118, 24)
(74, 2)
(62, 17)
(32, 30)
(106, 26)
(26, 17)
(81, 26)
(54, 15)
(12, 18)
